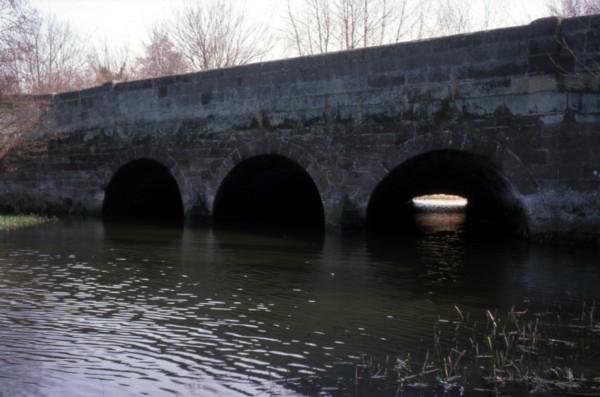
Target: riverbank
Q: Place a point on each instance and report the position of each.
(12, 222)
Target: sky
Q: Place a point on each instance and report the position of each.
(129, 21)
(126, 23)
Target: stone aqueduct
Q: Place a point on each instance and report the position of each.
(509, 118)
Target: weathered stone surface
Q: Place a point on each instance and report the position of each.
(526, 98)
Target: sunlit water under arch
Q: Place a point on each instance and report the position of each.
(91, 310)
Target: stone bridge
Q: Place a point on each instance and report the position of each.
(508, 118)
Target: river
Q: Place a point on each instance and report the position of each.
(92, 310)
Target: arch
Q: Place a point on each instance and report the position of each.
(268, 190)
(158, 153)
(495, 151)
(143, 189)
(269, 145)
(493, 199)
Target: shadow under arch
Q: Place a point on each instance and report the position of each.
(143, 190)
(269, 192)
(493, 206)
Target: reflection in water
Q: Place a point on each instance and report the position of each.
(87, 310)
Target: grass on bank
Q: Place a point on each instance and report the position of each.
(12, 222)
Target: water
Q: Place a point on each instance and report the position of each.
(87, 310)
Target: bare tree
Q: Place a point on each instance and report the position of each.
(16, 18)
(573, 8)
(53, 61)
(320, 26)
(447, 17)
(463, 16)
(361, 23)
(312, 32)
(452, 17)
(108, 63)
(213, 34)
(160, 58)
(491, 15)
(18, 112)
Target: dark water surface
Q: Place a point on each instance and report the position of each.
(91, 310)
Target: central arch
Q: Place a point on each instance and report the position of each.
(143, 190)
(268, 191)
(493, 204)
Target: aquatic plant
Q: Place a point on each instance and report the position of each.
(514, 353)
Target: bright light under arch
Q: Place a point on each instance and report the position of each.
(440, 201)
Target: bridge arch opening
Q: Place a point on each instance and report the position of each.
(143, 190)
(270, 192)
(482, 200)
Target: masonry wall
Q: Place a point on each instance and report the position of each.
(526, 98)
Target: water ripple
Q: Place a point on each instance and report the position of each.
(208, 316)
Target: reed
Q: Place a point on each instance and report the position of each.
(514, 353)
